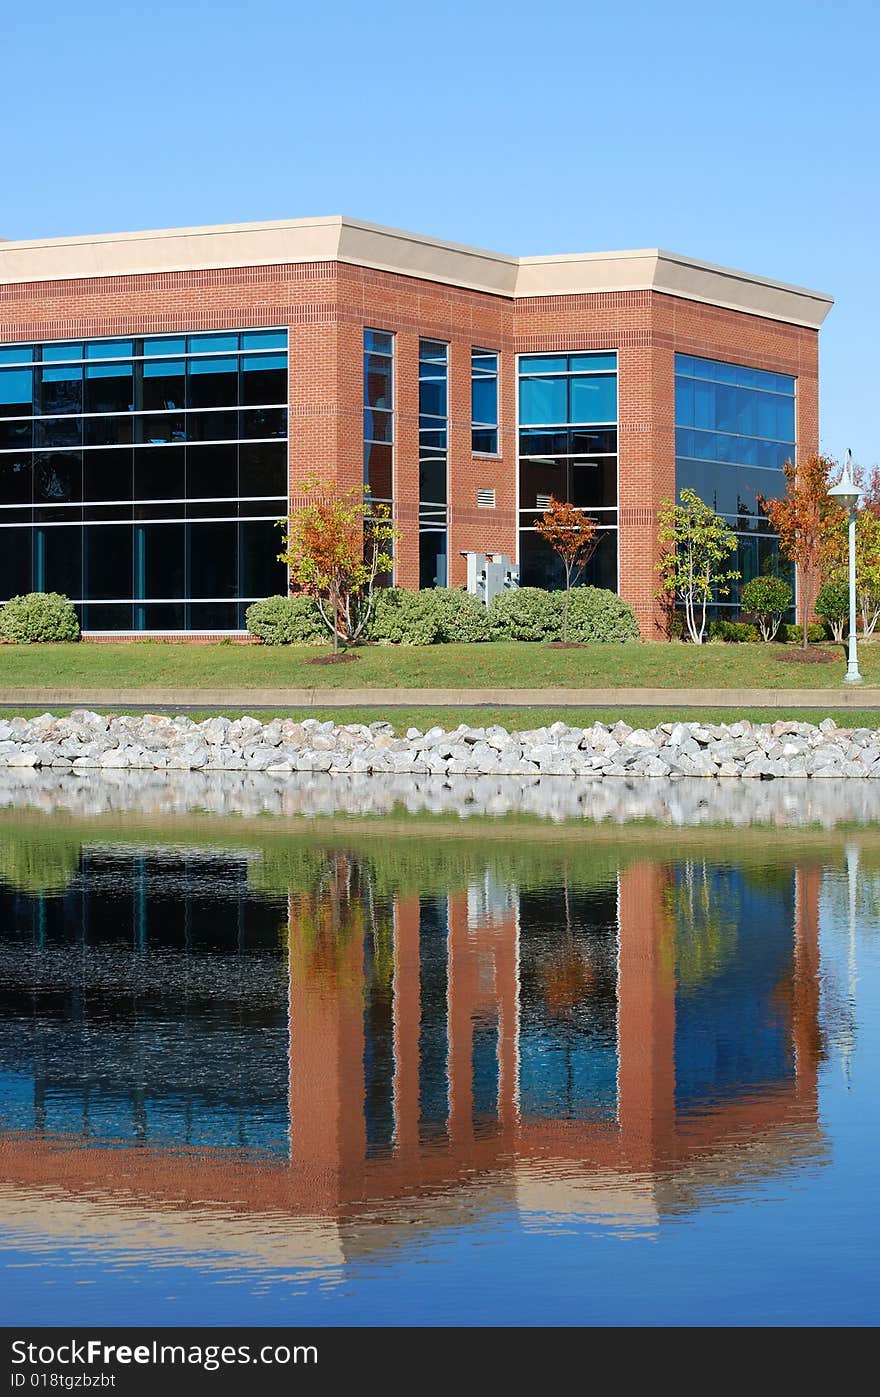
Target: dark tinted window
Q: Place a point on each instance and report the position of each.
(107, 446)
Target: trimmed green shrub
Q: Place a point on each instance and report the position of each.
(404, 618)
(433, 616)
(286, 621)
(736, 632)
(767, 598)
(595, 614)
(525, 613)
(463, 619)
(832, 604)
(38, 616)
(815, 633)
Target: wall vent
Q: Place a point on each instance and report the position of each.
(543, 501)
(485, 498)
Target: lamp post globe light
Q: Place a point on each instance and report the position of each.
(846, 493)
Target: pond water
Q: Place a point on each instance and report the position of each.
(312, 1053)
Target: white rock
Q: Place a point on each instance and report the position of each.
(115, 760)
(23, 757)
(640, 738)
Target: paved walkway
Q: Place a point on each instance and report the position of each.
(839, 696)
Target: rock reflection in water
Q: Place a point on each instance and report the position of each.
(276, 1052)
(688, 801)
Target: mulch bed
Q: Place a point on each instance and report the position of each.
(565, 645)
(333, 659)
(810, 656)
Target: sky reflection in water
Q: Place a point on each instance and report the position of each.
(427, 1071)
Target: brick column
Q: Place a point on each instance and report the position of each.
(350, 404)
(646, 472)
(314, 404)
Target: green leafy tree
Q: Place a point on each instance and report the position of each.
(836, 561)
(868, 568)
(337, 545)
(767, 598)
(832, 606)
(697, 545)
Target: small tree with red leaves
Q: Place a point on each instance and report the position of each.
(803, 519)
(337, 546)
(573, 537)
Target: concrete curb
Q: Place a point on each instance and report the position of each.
(840, 696)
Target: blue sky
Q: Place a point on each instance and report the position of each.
(744, 134)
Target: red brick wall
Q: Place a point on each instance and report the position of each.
(326, 305)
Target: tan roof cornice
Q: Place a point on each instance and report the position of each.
(338, 239)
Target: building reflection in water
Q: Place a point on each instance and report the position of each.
(199, 1064)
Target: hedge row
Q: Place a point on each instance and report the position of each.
(434, 616)
(444, 615)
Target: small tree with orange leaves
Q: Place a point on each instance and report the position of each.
(337, 545)
(803, 519)
(573, 536)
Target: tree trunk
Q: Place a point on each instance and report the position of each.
(805, 638)
(691, 618)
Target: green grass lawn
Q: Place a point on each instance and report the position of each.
(522, 719)
(453, 667)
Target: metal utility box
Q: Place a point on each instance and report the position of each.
(490, 573)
